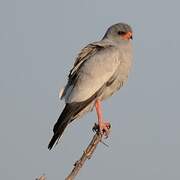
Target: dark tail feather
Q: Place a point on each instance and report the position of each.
(68, 114)
(61, 124)
(53, 140)
(57, 135)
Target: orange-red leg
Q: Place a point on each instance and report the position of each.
(103, 126)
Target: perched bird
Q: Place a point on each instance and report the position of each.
(100, 69)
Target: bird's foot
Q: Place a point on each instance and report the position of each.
(104, 128)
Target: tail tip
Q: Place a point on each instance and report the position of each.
(49, 147)
(52, 142)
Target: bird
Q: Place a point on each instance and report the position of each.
(100, 69)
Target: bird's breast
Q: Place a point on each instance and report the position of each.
(121, 75)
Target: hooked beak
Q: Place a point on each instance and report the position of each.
(127, 36)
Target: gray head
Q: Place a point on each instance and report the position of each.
(119, 31)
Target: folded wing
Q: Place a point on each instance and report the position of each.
(94, 67)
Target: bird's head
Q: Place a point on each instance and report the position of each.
(120, 31)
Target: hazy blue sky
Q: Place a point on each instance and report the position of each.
(39, 41)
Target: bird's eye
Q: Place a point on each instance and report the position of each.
(121, 33)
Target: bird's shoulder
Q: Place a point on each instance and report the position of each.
(87, 52)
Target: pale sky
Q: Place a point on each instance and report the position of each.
(39, 41)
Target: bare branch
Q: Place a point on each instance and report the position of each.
(41, 178)
(87, 154)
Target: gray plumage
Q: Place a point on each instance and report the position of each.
(100, 69)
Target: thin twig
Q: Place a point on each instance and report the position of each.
(41, 178)
(87, 154)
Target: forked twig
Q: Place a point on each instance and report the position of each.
(87, 154)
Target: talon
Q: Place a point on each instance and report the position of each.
(104, 128)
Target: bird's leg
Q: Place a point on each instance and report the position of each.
(103, 126)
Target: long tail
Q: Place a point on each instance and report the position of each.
(62, 122)
(68, 114)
